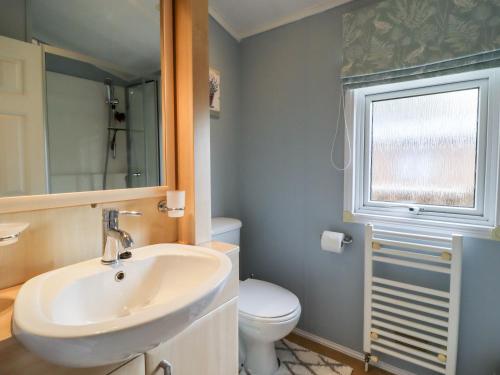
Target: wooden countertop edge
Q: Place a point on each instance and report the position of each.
(221, 246)
(7, 297)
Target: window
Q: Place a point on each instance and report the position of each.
(425, 152)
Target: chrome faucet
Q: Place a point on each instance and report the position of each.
(116, 243)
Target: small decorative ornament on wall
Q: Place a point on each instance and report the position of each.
(214, 92)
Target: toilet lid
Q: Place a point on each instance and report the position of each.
(265, 300)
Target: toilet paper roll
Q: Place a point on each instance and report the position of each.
(332, 241)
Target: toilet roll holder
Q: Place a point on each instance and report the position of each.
(346, 241)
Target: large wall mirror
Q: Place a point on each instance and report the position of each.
(80, 101)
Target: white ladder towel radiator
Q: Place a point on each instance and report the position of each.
(402, 319)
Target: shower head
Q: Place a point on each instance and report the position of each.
(110, 92)
(107, 84)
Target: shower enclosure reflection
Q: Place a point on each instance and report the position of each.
(102, 98)
(143, 134)
(101, 135)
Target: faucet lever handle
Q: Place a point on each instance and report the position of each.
(130, 213)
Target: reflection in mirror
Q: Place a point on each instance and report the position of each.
(99, 125)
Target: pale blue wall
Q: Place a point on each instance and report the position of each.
(224, 55)
(289, 193)
(15, 19)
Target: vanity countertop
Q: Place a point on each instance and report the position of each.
(224, 247)
(8, 295)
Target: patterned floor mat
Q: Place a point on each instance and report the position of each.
(296, 360)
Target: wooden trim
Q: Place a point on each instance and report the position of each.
(184, 101)
(43, 202)
(201, 110)
(193, 116)
(47, 201)
(168, 91)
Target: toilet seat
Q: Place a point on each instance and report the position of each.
(281, 319)
(263, 301)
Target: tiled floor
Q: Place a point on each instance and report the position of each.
(357, 365)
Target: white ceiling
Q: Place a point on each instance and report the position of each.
(243, 18)
(125, 33)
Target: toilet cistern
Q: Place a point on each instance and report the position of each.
(267, 312)
(115, 241)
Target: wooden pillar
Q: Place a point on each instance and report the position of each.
(192, 116)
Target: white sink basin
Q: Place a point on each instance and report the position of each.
(81, 316)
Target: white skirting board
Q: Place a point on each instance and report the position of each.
(350, 352)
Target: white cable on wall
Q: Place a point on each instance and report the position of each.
(332, 157)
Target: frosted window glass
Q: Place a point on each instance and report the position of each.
(424, 149)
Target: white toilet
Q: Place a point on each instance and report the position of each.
(267, 312)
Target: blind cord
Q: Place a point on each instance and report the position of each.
(332, 157)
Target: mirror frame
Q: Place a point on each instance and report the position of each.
(47, 201)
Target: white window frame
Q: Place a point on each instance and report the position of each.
(480, 221)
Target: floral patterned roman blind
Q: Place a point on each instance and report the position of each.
(419, 36)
